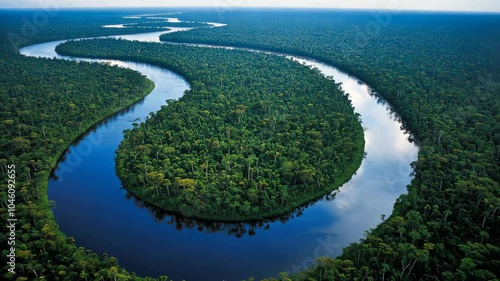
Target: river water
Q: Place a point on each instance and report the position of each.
(92, 206)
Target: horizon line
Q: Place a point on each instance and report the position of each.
(249, 7)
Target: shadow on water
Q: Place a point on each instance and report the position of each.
(231, 228)
(109, 121)
(393, 115)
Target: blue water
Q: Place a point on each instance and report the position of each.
(93, 207)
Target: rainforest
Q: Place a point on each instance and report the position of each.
(249, 144)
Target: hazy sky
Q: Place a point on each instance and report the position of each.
(449, 5)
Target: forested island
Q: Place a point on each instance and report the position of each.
(439, 71)
(256, 136)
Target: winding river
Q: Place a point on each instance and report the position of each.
(92, 206)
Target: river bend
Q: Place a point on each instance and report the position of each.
(92, 206)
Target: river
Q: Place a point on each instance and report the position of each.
(92, 206)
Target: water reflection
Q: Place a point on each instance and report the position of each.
(237, 229)
(94, 209)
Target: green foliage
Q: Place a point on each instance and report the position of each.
(256, 136)
(440, 72)
(46, 104)
(20, 28)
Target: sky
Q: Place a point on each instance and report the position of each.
(446, 5)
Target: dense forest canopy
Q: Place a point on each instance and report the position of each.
(257, 135)
(21, 28)
(46, 104)
(440, 72)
